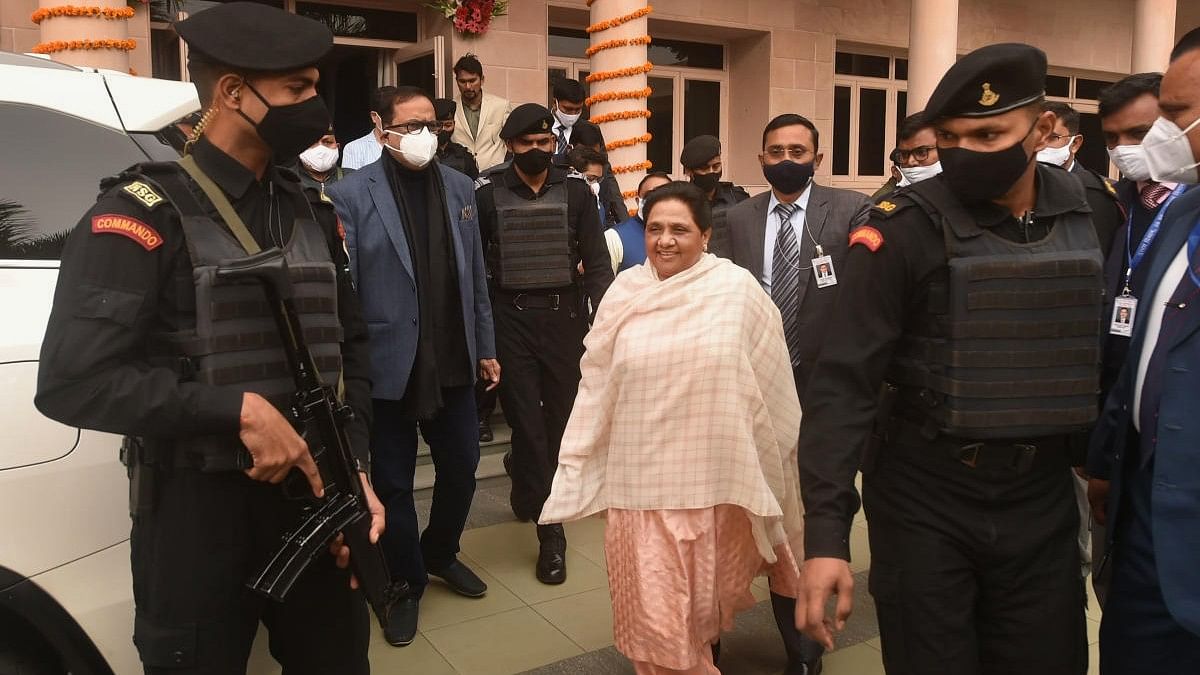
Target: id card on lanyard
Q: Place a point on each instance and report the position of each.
(1125, 305)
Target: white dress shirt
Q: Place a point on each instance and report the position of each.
(361, 152)
(558, 126)
(1157, 307)
(797, 222)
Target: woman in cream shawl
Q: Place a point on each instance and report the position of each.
(684, 431)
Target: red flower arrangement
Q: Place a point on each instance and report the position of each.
(472, 17)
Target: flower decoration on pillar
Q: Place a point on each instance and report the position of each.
(639, 95)
(83, 11)
(75, 45)
(470, 17)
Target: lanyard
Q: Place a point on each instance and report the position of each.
(1193, 243)
(1133, 259)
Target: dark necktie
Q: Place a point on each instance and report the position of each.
(1152, 194)
(562, 141)
(785, 278)
(1182, 301)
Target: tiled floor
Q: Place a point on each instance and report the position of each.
(522, 625)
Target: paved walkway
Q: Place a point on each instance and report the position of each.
(523, 626)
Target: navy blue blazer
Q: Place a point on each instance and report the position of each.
(382, 268)
(1176, 493)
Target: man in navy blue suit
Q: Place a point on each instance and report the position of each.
(412, 235)
(1150, 430)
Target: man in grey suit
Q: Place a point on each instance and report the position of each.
(412, 235)
(793, 239)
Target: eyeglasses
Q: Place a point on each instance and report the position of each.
(1056, 139)
(792, 152)
(415, 127)
(920, 153)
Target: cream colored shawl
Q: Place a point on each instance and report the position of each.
(687, 401)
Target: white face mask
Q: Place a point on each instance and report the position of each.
(1168, 153)
(595, 188)
(641, 210)
(319, 158)
(916, 174)
(1056, 156)
(1131, 161)
(565, 119)
(416, 150)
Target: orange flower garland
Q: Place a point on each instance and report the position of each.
(613, 44)
(630, 168)
(109, 13)
(613, 23)
(628, 142)
(619, 115)
(622, 72)
(617, 95)
(630, 194)
(65, 45)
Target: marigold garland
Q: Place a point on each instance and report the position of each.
(630, 194)
(622, 72)
(613, 23)
(628, 142)
(619, 115)
(631, 168)
(618, 95)
(66, 45)
(109, 13)
(613, 44)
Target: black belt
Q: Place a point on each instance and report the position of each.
(908, 439)
(537, 300)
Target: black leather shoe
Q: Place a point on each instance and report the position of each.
(461, 579)
(485, 432)
(552, 555)
(402, 623)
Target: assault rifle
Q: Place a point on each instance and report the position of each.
(317, 411)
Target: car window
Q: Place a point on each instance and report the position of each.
(50, 171)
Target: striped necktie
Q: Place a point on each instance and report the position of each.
(562, 141)
(785, 278)
(1152, 195)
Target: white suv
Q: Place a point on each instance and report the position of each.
(66, 601)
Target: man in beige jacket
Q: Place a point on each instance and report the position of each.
(480, 116)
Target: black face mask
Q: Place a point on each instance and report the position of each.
(787, 176)
(706, 181)
(290, 129)
(532, 162)
(983, 176)
(444, 137)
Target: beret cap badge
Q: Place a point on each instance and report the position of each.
(988, 98)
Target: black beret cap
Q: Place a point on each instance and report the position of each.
(527, 118)
(989, 81)
(444, 108)
(250, 36)
(699, 151)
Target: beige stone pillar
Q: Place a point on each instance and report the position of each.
(1153, 35)
(59, 30)
(932, 47)
(627, 133)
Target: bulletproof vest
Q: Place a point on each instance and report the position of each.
(720, 243)
(235, 342)
(1007, 345)
(535, 240)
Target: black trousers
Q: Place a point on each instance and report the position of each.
(1138, 635)
(975, 571)
(485, 400)
(539, 352)
(191, 559)
(801, 649)
(453, 438)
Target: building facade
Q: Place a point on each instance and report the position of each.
(720, 66)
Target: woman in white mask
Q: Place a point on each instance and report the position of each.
(319, 164)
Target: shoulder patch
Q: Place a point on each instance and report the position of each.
(141, 233)
(867, 236)
(886, 206)
(1109, 186)
(143, 194)
(891, 205)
